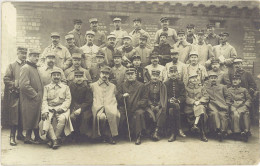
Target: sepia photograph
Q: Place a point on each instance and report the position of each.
(130, 82)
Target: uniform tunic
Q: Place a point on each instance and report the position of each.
(79, 38)
(164, 51)
(31, 92)
(218, 107)
(70, 73)
(94, 72)
(184, 49)
(205, 52)
(90, 52)
(119, 37)
(142, 74)
(119, 74)
(109, 55)
(180, 67)
(11, 94)
(74, 49)
(241, 102)
(172, 36)
(144, 54)
(158, 67)
(45, 74)
(135, 34)
(127, 53)
(192, 39)
(189, 70)
(99, 39)
(212, 39)
(62, 56)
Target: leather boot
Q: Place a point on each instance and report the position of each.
(181, 133)
(20, 135)
(55, 144)
(111, 140)
(50, 144)
(138, 140)
(220, 136)
(172, 137)
(28, 139)
(203, 136)
(12, 136)
(244, 136)
(156, 135)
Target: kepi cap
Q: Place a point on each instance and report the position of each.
(93, 20)
(181, 32)
(56, 71)
(69, 36)
(137, 19)
(22, 49)
(127, 37)
(117, 19)
(50, 54)
(34, 51)
(76, 56)
(55, 34)
(143, 37)
(193, 74)
(212, 73)
(111, 36)
(155, 72)
(193, 53)
(105, 69)
(173, 68)
(164, 34)
(190, 26)
(76, 21)
(163, 19)
(130, 70)
(90, 33)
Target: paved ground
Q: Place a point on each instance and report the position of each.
(183, 151)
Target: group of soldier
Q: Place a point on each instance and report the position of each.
(123, 84)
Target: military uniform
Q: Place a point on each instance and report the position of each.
(212, 38)
(109, 51)
(180, 67)
(100, 37)
(119, 33)
(119, 72)
(79, 38)
(142, 74)
(191, 38)
(144, 52)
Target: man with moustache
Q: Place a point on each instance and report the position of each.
(172, 35)
(70, 72)
(138, 32)
(118, 32)
(191, 37)
(62, 54)
(157, 103)
(89, 50)
(218, 107)
(104, 109)
(214, 65)
(55, 110)
(100, 37)
(12, 95)
(127, 50)
(118, 70)
(142, 74)
(211, 37)
(143, 51)
(182, 46)
(31, 92)
(45, 71)
(109, 50)
(79, 38)
(133, 97)
(70, 40)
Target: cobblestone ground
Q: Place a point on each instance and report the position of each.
(188, 150)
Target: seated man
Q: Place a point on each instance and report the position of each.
(81, 103)
(175, 96)
(218, 108)
(241, 101)
(196, 98)
(132, 99)
(104, 109)
(157, 101)
(55, 109)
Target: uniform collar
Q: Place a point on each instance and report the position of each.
(58, 46)
(78, 32)
(32, 64)
(74, 69)
(52, 85)
(101, 82)
(19, 61)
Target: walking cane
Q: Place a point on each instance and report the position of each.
(129, 134)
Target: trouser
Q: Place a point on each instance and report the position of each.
(240, 121)
(158, 116)
(218, 121)
(29, 134)
(103, 124)
(174, 120)
(76, 125)
(13, 130)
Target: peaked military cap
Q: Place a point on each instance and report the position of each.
(137, 19)
(174, 51)
(117, 19)
(163, 19)
(117, 54)
(111, 36)
(224, 34)
(181, 32)
(201, 32)
(77, 21)
(69, 36)
(215, 60)
(50, 54)
(154, 55)
(100, 53)
(105, 69)
(144, 37)
(56, 71)
(156, 72)
(127, 37)
(90, 33)
(173, 68)
(194, 53)
(93, 20)
(236, 76)
(136, 56)
(212, 73)
(34, 51)
(164, 34)
(193, 74)
(130, 70)
(22, 49)
(190, 26)
(55, 34)
(76, 56)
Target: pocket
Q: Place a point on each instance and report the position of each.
(51, 95)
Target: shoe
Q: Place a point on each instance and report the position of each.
(203, 138)
(29, 141)
(155, 136)
(55, 144)
(220, 136)
(12, 141)
(20, 137)
(249, 133)
(138, 141)
(111, 141)
(195, 128)
(172, 138)
(39, 141)
(244, 136)
(181, 133)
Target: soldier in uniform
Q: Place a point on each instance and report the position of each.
(191, 37)
(218, 107)
(224, 51)
(138, 32)
(142, 74)
(81, 102)
(132, 97)
(164, 49)
(172, 35)
(211, 37)
(155, 65)
(71, 44)
(55, 110)
(241, 101)
(157, 103)
(12, 94)
(194, 67)
(76, 60)
(118, 32)
(62, 54)
(109, 50)
(175, 97)
(49, 66)
(143, 50)
(214, 65)
(118, 70)
(204, 50)
(104, 109)
(79, 38)
(100, 37)
(89, 50)
(182, 46)
(196, 99)
(31, 92)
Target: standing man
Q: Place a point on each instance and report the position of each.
(105, 113)
(143, 51)
(194, 68)
(133, 97)
(214, 66)
(118, 32)
(211, 37)
(175, 97)
(157, 103)
(127, 50)
(12, 95)
(55, 107)
(31, 92)
(62, 54)
(118, 70)
(172, 35)
(100, 37)
(70, 40)
(142, 74)
(109, 50)
(191, 37)
(218, 107)
(79, 38)
(49, 66)
(138, 32)
(89, 50)
(224, 51)
(183, 46)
